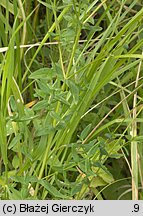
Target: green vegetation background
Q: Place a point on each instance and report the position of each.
(71, 99)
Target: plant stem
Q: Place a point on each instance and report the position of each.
(134, 148)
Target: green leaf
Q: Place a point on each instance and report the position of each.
(44, 131)
(60, 125)
(10, 7)
(43, 73)
(39, 149)
(9, 128)
(12, 103)
(76, 188)
(52, 190)
(85, 132)
(103, 173)
(46, 4)
(97, 181)
(15, 162)
(103, 168)
(15, 194)
(93, 150)
(47, 89)
(58, 71)
(85, 166)
(14, 141)
(130, 56)
(41, 105)
(117, 156)
(74, 89)
(24, 179)
(75, 155)
(138, 138)
(61, 99)
(89, 145)
(2, 182)
(55, 116)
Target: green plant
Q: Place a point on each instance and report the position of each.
(83, 82)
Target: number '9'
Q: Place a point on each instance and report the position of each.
(136, 208)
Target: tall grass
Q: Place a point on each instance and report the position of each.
(71, 100)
